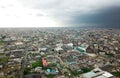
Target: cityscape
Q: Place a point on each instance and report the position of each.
(59, 38)
(59, 53)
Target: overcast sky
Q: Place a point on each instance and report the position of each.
(54, 13)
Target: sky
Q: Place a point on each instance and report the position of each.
(59, 13)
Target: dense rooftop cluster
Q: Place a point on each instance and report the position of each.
(59, 53)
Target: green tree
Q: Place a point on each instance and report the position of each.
(37, 64)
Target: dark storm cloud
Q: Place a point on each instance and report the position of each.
(107, 16)
(79, 12)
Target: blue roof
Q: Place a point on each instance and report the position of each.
(48, 70)
(54, 71)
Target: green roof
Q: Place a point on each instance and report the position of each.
(81, 50)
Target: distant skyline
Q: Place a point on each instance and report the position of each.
(59, 13)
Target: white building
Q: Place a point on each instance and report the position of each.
(97, 73)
